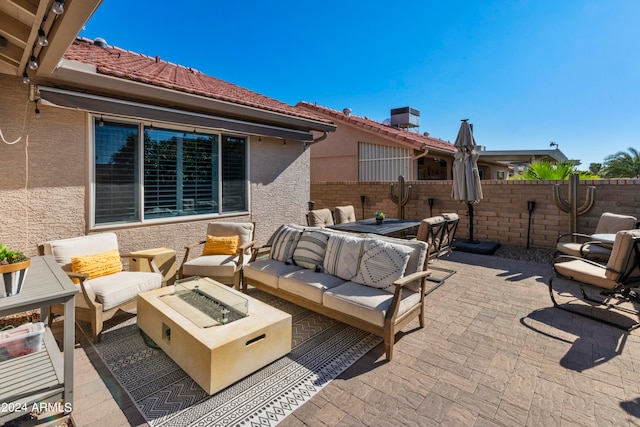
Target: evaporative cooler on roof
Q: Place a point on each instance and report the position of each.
(405, 117)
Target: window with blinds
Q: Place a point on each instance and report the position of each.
(146, 173)
(382, 162)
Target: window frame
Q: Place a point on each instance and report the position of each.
(93, 120)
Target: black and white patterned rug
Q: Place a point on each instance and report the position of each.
(322, 348)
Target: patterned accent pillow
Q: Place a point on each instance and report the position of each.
(382, 264)
(97, 265)
(309, 252)
(215, 245)
(343, 255)
(285, 241)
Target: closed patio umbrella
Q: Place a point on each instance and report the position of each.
(466, 178)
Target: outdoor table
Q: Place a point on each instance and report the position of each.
(389, 227)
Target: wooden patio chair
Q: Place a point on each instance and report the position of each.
(610, 288)
(226, 249)
(94, 262)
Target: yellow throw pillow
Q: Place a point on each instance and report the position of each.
(97, 265)
(220, 245)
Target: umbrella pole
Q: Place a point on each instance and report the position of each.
(470, 210)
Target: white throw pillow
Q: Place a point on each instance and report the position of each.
(343, 255)
(382, 264)
(285, 240)
(310, 250)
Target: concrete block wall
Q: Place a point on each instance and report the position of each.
(502, 214)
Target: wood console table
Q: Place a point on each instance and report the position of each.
(43, 376)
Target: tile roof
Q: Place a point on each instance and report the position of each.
(416, 140)
(140, 68)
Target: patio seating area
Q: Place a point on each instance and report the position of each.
(494, 351)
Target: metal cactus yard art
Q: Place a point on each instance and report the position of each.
(403, 196)
(571, 205)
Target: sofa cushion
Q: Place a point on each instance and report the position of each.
(309, 284)
(343, 254)
(214, 245)
(382, 264)
(310, 250)
(115, 289)
(366, 303)
(285, 241)
(97, 265)
(268, 271)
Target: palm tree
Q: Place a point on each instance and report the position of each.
(543, 169)
(622, 164)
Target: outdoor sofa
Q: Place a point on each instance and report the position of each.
(371, 282)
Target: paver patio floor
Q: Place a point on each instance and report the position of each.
(494, 352)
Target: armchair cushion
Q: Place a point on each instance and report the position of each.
(244, 231)
(65, 249)
(118, 288)
(212, 266)
(344, 214)
(97, 265)
(215, 245)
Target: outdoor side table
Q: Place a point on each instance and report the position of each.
(43, 376)
(165, 260)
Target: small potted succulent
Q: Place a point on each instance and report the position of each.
(379, 216)
(13, 268)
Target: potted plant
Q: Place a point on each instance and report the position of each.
(379, 216)
(13, 267)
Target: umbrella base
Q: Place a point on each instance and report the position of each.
(476, 246)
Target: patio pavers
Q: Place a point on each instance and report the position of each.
(494, 352)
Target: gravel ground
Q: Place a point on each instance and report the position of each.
(544, 255)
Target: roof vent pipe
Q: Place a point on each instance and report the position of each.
(346, 111)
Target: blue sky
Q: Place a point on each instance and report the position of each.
(525, 73)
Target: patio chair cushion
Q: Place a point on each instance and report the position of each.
(215, 245)
(344, 214)
(309, 284)
(65, 249)
(268, 271)
(621, 261)
(115, 289)
(97, 265)
(382, 263)
(598, 251)
(365, 302)
(612, 223)
(284, 243)
(342, 257)
(310, 250)
(212, 266)
(586, 273)
(244, 231)
(320, 218)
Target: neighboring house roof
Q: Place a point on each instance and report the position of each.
(127, 65)
(521, 156)
(405, 137)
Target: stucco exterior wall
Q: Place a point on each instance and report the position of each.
(501, 216)
(44, 179)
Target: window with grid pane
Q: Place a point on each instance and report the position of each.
(180, 173)
(145, 173)
(116, 173)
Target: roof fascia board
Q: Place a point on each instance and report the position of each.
(83, 75)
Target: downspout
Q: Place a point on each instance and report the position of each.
(318, 139)
(413, 159)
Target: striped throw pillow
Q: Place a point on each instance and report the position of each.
(285, 241)
(309, 252)
(342, 257)
(382, 264)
